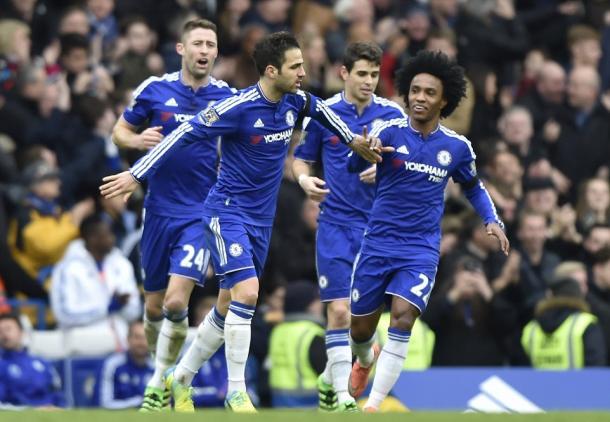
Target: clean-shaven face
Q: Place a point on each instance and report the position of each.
(425, 98)
(362, 80)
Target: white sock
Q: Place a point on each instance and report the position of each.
(237, 344)
(339, 362)
(364, 351)
(151, 331)
(389, 366)
(210, 336)
(170, 341)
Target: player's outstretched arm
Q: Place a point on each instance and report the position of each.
(119, 184)
(124, 136)
(313, 186)
(494, 229)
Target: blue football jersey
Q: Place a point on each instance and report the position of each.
(256, 135)
(409, 202)
(349, 201)
(182, 184)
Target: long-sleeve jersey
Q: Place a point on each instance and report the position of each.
(122, 382)
(411, 181)
(349, 201)
(183, 182)
(255, 135)
(26, 380)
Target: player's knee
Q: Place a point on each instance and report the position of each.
(247, 296)
(175, 304)
(360, 331)
(153, 310)
(403, 319)
(339, 314)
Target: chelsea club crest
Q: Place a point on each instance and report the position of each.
(290, 118)
(444, 157)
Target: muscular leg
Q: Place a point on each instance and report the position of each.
(238, 331)
(394, 353)
(337, 349)
(174, 327)
(210, 336)
(153, 319)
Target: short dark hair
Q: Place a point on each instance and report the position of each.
(595, 226)
(368, 51)
(271, 50)
(12, 316)
(438, 65)
(73, 41)
(198, 23)
(90, 223)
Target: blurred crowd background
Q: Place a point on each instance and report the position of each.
(537, 113)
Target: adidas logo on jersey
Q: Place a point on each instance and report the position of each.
(171, 102)
(402, 149)
(259, 123)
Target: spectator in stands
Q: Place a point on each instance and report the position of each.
(504, 184)
(575, 270)
(297, 350)
(584, 46)
(595, 239)
(593, 206)
(138, 60)
(444, 40)
(461, 316)
(25, 380)
(540, 196)
(15, 43)
(94, 285)
(271, 14)
(123, 377)
(104, 26)
(582, 148)
(599, 292)
(41, 231)
(564, 334)
(546, 100)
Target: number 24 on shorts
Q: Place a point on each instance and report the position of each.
(187, 261)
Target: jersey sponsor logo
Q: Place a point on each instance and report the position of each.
(279, 136)
(236, 250)
(402, 149)
(166, 115)
(443, 157)
(290, 118)
(256, 139)
(323, 281)
(181, 118)
(426, 168)
(209, 116)
(334, 140)
(171, 102)
(355, 295)
(259, 123)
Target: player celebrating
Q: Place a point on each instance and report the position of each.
(172, 238)
(400, 249)
(342, 217)
(256, 127)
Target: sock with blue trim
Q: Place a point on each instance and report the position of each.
(389, 365)
(210, 336)
(339, 361)
(237, 343)
(170, 341)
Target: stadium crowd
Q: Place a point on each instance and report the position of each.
(537, 112)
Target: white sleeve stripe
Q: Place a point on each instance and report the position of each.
(400, 122)
(335, 120)
(232, 102)
(167, 77)
(107, 381)
(151, 155)
(462, 138)
(149, 160)
(493, 206)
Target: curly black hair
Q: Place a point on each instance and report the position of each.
(439, 65)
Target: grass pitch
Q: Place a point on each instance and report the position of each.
(292, 416)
